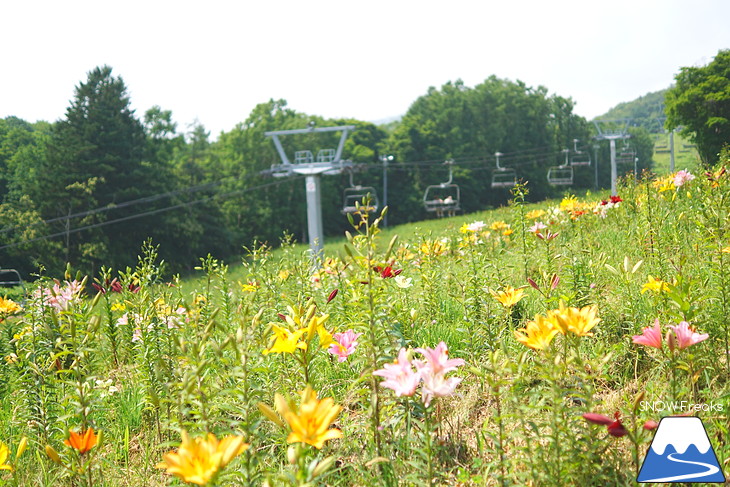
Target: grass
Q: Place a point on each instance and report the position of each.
(685, 154)
(211, 354)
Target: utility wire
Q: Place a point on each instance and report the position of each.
(146, 199)
(514, 159)
(153, 212)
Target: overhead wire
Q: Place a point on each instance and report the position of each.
(153, 212)
(511, 159)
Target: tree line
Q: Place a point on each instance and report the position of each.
(90, 188)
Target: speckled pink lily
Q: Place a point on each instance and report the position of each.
(400, 375)
(686, 336)
(651, 336)
(345, 344)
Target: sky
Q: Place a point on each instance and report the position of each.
(213, 61)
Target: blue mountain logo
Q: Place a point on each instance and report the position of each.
(681, 452)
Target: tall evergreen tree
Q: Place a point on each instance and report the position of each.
(95, 159)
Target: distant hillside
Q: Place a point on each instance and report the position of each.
(646, 111)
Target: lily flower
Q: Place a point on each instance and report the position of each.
(316, 325)
(656, 285)
(537, 334)
(578, 321)
(651, 336)
(344, 344)
(387, 271)
(686, 336)
(4, 453)
(682, 177)
(310, 422)
(198, 460)
(509, 296)
(285, 341)
(435, 384)
(8, 306)
(400, 376)
(613, 425)
(82, 442)
(437, 359)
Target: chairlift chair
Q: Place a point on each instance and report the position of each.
(503, 177)
(578, 157)
(561, 175)
(444, 198)
(10, 278)
(359, 198)
(627, 155)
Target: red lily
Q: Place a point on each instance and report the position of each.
(387, 271)
(613, 425)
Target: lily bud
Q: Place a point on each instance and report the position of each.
(291, 455)
(53, 454)
(671, 340)
(21, 447)
(555, 282)
(323, 466)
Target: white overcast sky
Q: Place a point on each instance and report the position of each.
(214, 60)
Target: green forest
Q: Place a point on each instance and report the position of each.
(92, 187)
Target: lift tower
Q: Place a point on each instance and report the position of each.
(612, 131)
(328, 162)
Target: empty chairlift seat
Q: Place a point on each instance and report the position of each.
(579, 157)
(503, 177)
(561, 175)
(358, 198)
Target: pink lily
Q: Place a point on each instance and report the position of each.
(651, 336)
(686, 336)
(437, 359)
(345, 344)
(435, 384)
(400, 375)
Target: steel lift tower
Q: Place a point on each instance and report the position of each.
(612, 131)
(328, 162)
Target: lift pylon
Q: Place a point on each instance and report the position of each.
(328, 162)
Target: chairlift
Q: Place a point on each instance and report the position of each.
(578, 157)
(10, 278)
(561, 175)
(503, 177)
(359, 198)
(445, 198)
(627, 155)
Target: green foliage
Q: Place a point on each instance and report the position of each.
(700, 103)
(646, 112)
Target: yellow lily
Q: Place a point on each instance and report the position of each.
(577, 321)
(316, 324)
(537, 334)
(509, 296)
(285, 341)
(310, 422)
(8, 306)
(656, 285)
(4, 452)
(198, 460)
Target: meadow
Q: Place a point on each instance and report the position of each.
(536, 344)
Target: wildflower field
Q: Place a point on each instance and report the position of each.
(533, 345)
